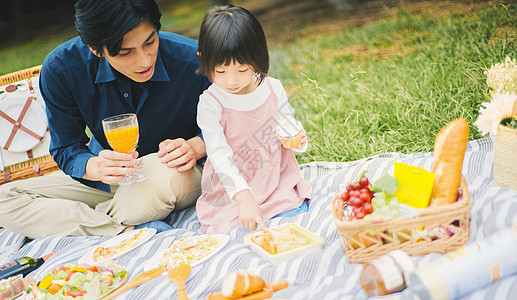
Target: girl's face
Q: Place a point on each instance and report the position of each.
(235, 78)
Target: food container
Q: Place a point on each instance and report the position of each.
(314, 243)
(290, 133)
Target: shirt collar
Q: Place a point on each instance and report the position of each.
(106, 73)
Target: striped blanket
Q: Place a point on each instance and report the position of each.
(326, 274)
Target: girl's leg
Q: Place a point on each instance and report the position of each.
(295, 211)
(54, 205)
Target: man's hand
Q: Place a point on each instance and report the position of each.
(110, 166)
(250, 214)
(180, 153)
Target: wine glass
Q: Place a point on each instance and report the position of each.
(122, 134)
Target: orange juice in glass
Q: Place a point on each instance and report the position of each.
(122, 134)
(290, 133)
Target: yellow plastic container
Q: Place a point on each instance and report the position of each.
(415, 185)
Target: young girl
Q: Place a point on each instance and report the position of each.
(248, 176)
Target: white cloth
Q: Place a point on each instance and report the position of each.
(209, 120)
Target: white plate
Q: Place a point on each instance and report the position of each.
(155, 260)
(114, 241)
(35, 120)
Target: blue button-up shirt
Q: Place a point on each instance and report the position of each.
(80, 89)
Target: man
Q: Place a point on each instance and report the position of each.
(120, 63)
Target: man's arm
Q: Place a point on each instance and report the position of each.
(66, 125)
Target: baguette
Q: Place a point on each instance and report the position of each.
(449, 151)
(241, 283)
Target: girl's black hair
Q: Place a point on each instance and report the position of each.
(105, 22)
(230, 33)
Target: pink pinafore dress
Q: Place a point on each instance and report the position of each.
(270, 170)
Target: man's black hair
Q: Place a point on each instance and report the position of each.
(105, 22)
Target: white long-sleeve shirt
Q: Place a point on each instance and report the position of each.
(209, 120)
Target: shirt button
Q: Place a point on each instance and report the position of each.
(126, 95)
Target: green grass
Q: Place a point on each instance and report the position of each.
(385, 87)
(29, 54)
(412, 76)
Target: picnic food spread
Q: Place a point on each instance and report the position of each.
(102, 253)
(278, 240)
(244, 285)
(74, 280)
(449, 151)
(432, 214)
(193, 248)
(13, 286)
(363, 203)
(241, 283)
(283, 242)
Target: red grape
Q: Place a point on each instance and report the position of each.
(364, 181)
(354, 201)
(357, 209)
(368, 208)
(365, 197)
(359, 196)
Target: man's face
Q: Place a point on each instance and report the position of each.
(137, 56)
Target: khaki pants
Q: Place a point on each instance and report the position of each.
(57, 205)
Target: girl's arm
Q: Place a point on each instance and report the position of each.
(285, 112)
(250, 214)
(217, 149)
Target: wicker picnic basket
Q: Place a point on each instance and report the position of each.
(32, 166)
(436, 229)
(505, 155)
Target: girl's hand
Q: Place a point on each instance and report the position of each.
(110, 166)
(250, 214)
(303, 141)
(180, 153)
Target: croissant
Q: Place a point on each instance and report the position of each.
(241, 283)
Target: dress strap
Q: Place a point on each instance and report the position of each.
(213, 96)
(270, 87)
(269, 84)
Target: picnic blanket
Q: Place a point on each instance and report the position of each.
(326, 274)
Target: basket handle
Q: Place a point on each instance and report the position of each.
(464, 190)
(337, 208)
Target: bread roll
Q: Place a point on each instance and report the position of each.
(241, 283)
(449, 150)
